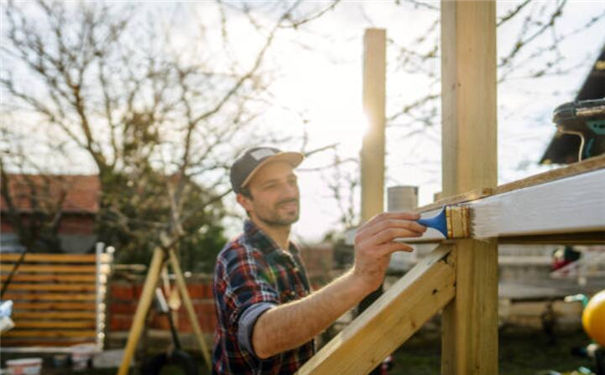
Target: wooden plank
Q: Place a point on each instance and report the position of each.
(540, 209)
(19, 345)
(52, 287)
(372, 151)
(50, 296)
(574, 169)
(18, 315)
(470, 321)
(49, 333)
(49, 268)
(45, 306)
(55, 324)
(138, 321)
(193, 320)
(469, 163)
(50, 258)
(394, 317)
(57, 278)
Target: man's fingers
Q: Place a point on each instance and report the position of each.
(387, 226)
(391, 247)
(390, 234)
(379, 221)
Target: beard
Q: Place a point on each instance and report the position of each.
(276, 215)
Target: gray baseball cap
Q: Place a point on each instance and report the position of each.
(253, 159)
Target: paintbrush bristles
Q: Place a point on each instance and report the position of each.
(458, 221)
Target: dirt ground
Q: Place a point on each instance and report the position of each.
(520, 353)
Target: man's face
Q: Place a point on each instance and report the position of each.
(274, 195)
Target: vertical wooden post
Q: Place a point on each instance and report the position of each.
(469, 153)
(138, 322)
(372, 151)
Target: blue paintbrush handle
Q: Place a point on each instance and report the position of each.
(438, 222)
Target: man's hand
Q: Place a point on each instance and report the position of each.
(288, 326)
(374, 244)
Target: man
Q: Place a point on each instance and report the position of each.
(267, 314)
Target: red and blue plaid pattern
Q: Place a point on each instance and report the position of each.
(252, 269)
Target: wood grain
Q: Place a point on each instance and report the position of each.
(393, 318)
(55, 258)
(54, 315)
(469, 163)
(372, 151)
(50, 333)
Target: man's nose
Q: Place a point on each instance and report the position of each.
(291, 191)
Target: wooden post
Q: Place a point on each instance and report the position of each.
(138, 321)
(469, 153)
(372, 151)
(182, 285)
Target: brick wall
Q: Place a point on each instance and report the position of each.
(124, 296)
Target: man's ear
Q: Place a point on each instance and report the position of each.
(244, 201)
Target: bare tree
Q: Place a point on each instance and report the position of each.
(160, 126)
(533, 56)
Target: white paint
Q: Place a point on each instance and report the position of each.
(569, 205)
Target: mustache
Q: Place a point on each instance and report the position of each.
(285, 201)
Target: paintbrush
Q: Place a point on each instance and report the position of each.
(451, 221)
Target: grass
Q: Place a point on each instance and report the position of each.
(520, 353)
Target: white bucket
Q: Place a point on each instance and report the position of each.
(81, 355)
(24, 366)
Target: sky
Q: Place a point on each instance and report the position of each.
(317, 82)
(326, 81)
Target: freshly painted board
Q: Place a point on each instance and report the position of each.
(573, 204)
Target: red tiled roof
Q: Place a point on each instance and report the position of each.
(83, 191)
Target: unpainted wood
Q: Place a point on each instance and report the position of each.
(52, 287)
(42, 345)
(394, 317)
(470, 321)
(55, 258)
(57, 324)
(45, 306)
(50, 296)
(147, 295)
(57, 278)
(43, 315)
(372, 151)
(182, 287)
(50, 333)
(469, 163)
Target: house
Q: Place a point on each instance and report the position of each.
(563, 148)
(73, 199)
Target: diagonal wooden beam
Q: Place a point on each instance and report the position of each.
(392, 319)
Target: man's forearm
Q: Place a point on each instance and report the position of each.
(290, 325)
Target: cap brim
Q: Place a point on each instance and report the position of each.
(292, 158)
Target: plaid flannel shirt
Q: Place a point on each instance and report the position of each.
(253, 273)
